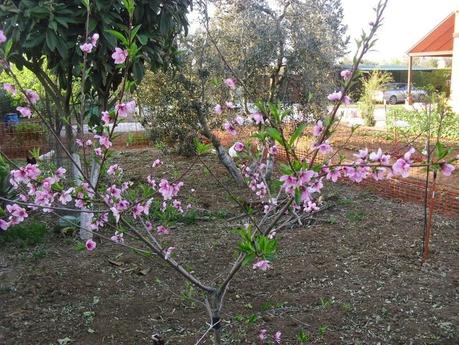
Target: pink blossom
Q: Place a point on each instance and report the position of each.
(156, 163)
(116, 214)
(137, 211)
(231, 83)
(88, 143)
(9, 88)
(304, 177)
(318, 128)
(151, 181)
(114, 192)
(380, 157)
(2, 37)
(347, 100)
(168, 252)
(86, 47)
(25, 112)
(239, 147)
(4, 225)
(333, 175)
(98, 151)
(118, 237)
(148, 226)
(277, 337)
(257, 117)
(239, 120)
(18, 214)
(66, 196)
(177, 205)
(91, 245)
(408, 154)
(32, 171)
(401, 167)
(290, 183)
(346, 74)
(310, 207)
(94, 38)
(362, 155)
(261, 265)
(324, 148)
(60, 172)
(167, 190)
(79, 203)
(447, 169)
(218, 109)
(113, 169)
(119, 55)
(230, 105)
(162, 230)
(273, 150)
(106, 117)
(227, 126)
(125, 109)
(358, 174)
(335, 96)
(263, 335)
(104, 141)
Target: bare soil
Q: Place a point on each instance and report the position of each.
(352, 276)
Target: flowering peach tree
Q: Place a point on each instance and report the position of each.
(125, 211)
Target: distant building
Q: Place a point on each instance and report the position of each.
(442, 41)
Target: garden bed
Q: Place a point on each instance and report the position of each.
(352, 276)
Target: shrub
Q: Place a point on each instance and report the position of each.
(418, 122)
(23, 235)
(371, 85)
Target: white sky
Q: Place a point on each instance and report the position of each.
(406, 22)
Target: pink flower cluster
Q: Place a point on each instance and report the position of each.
(263, 336)
(31, 96)
(88, 46)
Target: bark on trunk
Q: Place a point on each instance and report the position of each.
(214, 306)
(223, 155)
(86, 218)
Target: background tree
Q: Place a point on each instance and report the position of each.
(279, 46)
(47, 36)
(373, 83)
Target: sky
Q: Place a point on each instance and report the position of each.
(406, 22)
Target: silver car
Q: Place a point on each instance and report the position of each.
(394, 93)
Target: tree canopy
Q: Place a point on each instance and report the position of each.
(46, 35)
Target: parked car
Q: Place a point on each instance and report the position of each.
(394, 93)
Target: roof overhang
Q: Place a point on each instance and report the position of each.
(438, 42)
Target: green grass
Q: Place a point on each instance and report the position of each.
(24, 235)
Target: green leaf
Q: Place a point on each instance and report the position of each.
(119, 36)
(441, 150)
(51, 40)
(134, 32)
(138, 70)
(143, 39)
(85, 3)
(298, 132)
(275, 134)
(8, 47)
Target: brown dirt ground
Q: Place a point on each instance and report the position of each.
(351, 277)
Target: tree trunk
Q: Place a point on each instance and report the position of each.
(229, 164)
(86, 218)
(223, 155)
(214, 304)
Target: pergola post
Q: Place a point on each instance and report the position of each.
(409, 99)
(454, 95)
